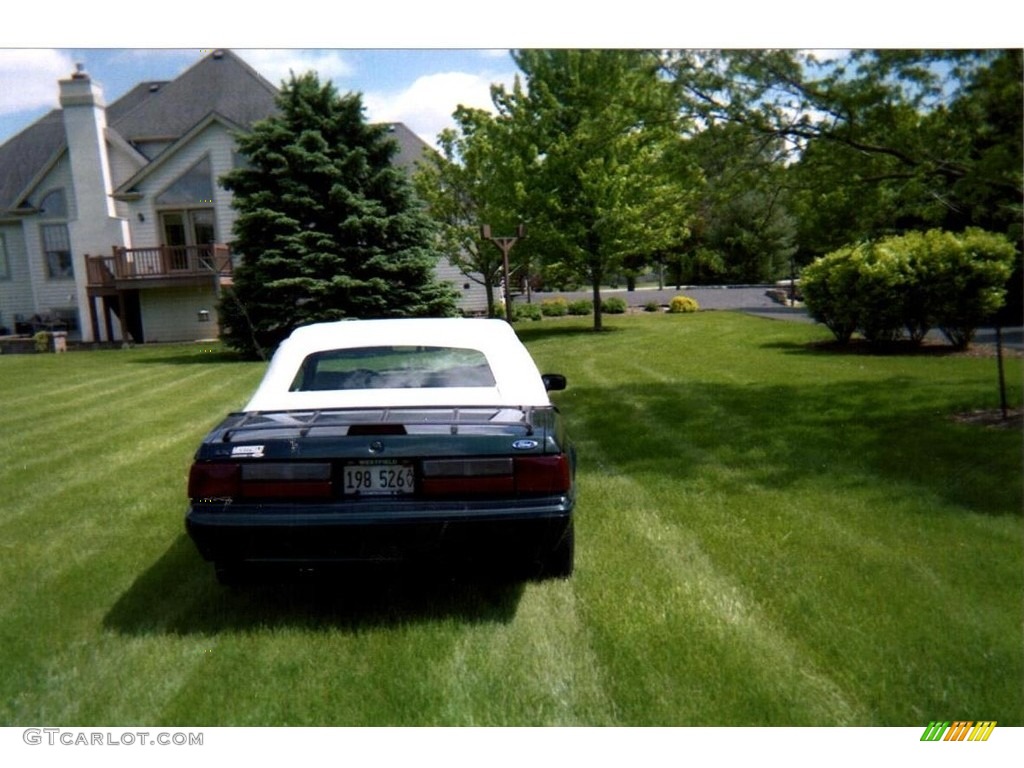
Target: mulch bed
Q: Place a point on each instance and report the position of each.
(993, 418)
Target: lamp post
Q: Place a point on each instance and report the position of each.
(505, 246)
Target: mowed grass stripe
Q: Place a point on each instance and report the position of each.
(64, 398)
(697, 608)
(106, 404)
(161, 395)
(94, 481)
(103, 500)
(546, 650)
(767, 534)
(751, 444)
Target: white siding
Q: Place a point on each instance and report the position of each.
(49, 293)
(58, 176)
(472, 296)
(122, 167)
(152, 148)
(172, 314)
(16, 290)
(214, 141)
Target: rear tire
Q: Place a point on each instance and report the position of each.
(560, 562)
(230, 574)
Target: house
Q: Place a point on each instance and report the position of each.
(112, 223)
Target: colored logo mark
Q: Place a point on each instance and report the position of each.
(958, 730)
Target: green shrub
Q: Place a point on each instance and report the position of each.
(652, 306)
(613, 306)
(881, 286)
(526, 312)
(683, 304)
(581, 307)
(864, 288)
(828, 282)
(42, 341)
(910, 283)
(556, 307)
(968, 285)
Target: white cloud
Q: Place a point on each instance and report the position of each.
(276, 64)
(427, 105)
(28, 77)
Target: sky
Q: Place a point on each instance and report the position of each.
(414, 61)
(418, 87)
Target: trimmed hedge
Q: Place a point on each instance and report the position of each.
(581, 307)
(526, 312)
(683, 305)
(556, 307)
(613, 306)
(909, 284)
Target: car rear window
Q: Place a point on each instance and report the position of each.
(393, 367)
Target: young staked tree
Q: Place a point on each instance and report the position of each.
(328, 227)
(475, 179)
(602, 188)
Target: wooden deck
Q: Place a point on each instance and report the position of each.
(156, 265)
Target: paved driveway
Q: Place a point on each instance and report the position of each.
(754, 300)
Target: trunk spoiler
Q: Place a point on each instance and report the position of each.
(454, 419)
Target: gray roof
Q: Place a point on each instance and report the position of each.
(411, 148)
(23, 156)
(219, 83)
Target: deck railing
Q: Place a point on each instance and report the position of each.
(158, 262)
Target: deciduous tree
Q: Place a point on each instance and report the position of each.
(595, 130)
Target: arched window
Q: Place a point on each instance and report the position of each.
(54, 205)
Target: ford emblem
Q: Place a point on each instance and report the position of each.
(524, 445)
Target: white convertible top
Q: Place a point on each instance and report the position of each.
(517, 380)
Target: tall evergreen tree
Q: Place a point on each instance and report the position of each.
(328, 227)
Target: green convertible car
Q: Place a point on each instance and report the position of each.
(428, 440)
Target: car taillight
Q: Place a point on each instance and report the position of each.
(214, 481)
(447, 477)
(502, 476)
(259, 481)
(543, 474)
(297, 480)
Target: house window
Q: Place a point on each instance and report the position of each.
(187, 217)
(193, 227)
(57, 251)
(194, 187)
(54, 236)
(5, 266)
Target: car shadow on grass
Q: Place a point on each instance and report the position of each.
(557, 330)
(860, 347)
(789, 438)
(178, 594)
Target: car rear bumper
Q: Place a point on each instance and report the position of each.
(380, 532)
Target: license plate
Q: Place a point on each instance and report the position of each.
(379, 478)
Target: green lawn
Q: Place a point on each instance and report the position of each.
(768, 533)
